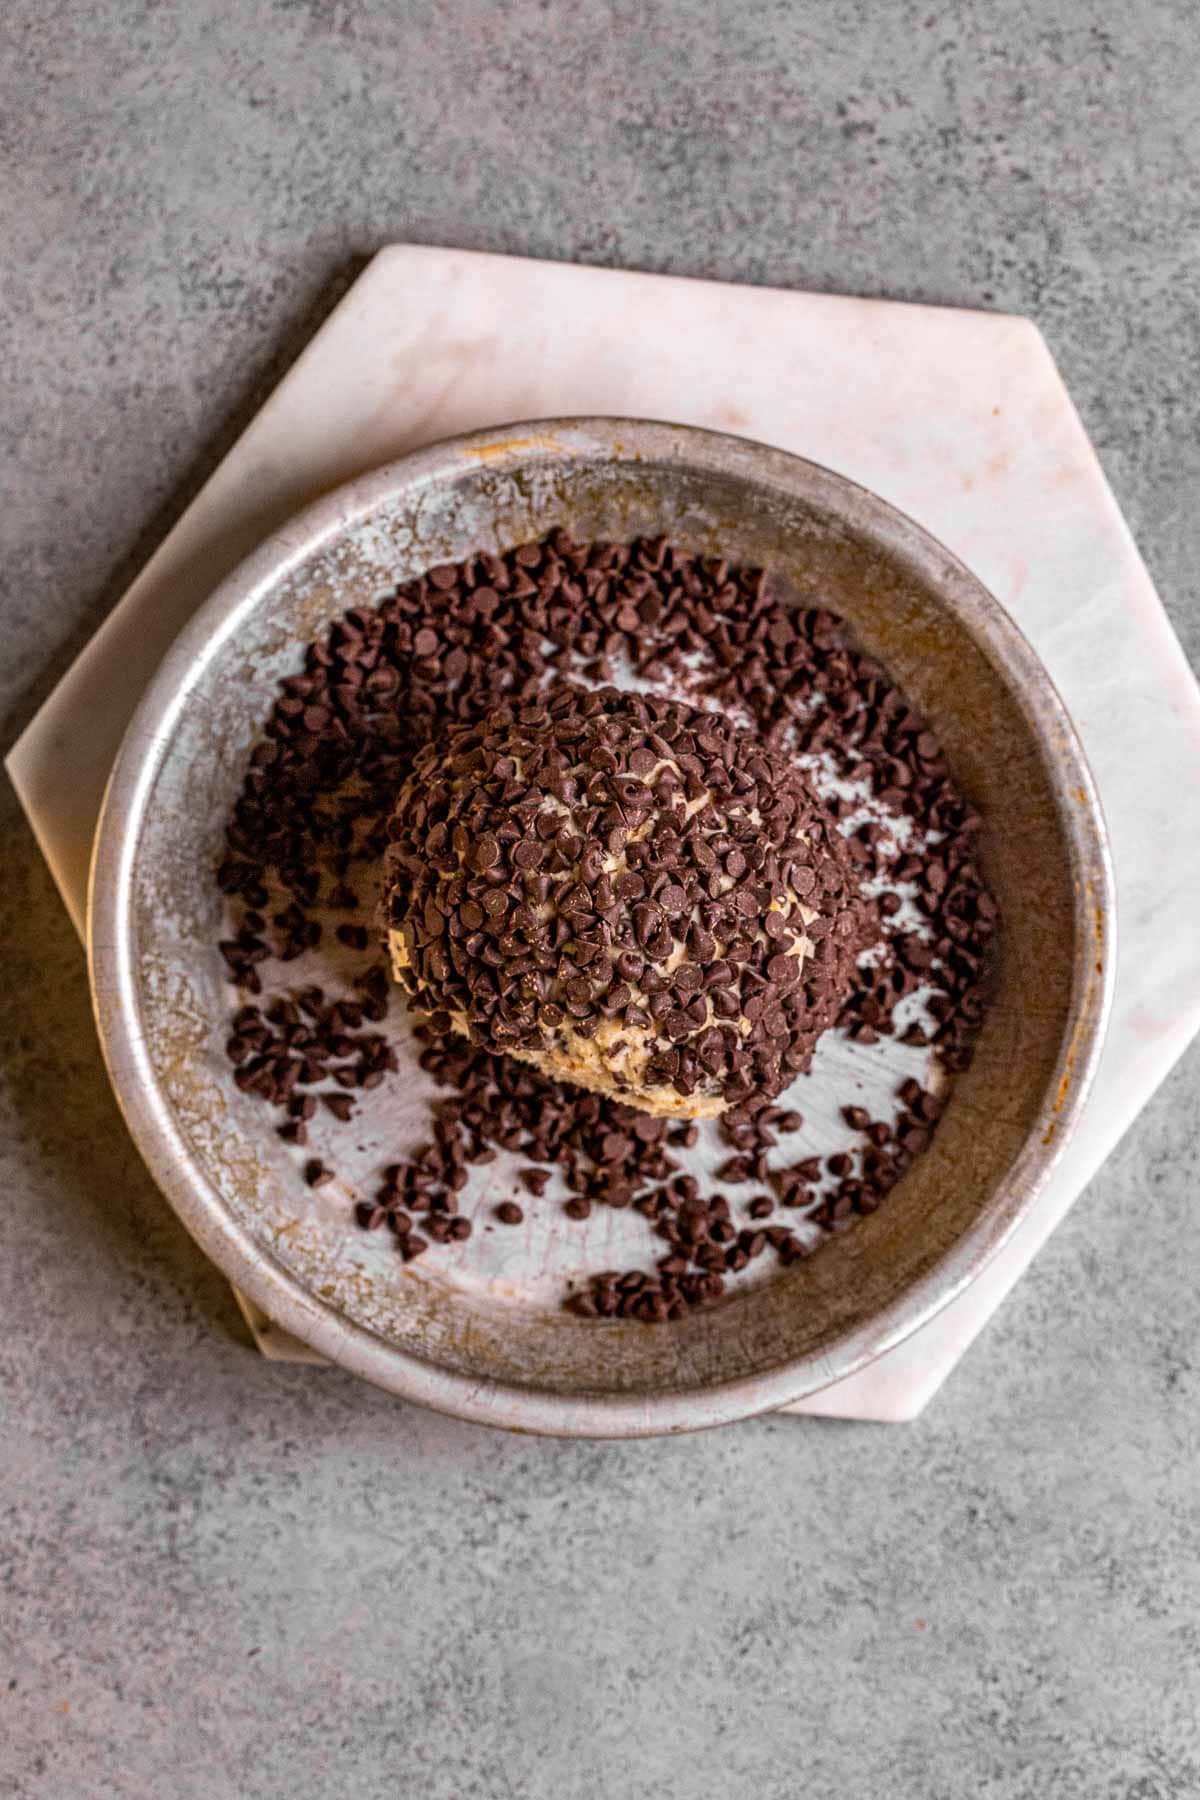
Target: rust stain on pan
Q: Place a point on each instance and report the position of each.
(506, 446)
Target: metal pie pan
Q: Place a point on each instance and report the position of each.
(499, 1352)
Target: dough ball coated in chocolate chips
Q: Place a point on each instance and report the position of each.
(633, 895)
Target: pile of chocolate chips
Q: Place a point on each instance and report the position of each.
(620, 868)
(309, 831)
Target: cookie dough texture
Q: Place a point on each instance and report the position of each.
(632, 895)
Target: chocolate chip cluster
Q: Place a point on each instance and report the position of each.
(631, 894)
(306, 844)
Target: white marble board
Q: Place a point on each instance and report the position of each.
(958, 417)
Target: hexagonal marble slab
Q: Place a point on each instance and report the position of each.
(960, 418)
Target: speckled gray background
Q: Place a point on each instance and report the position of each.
(220, 1577)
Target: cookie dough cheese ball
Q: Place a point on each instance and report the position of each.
(634, 896)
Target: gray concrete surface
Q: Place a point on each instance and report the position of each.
(224, 1578)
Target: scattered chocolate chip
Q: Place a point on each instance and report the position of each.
(340, 1105)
